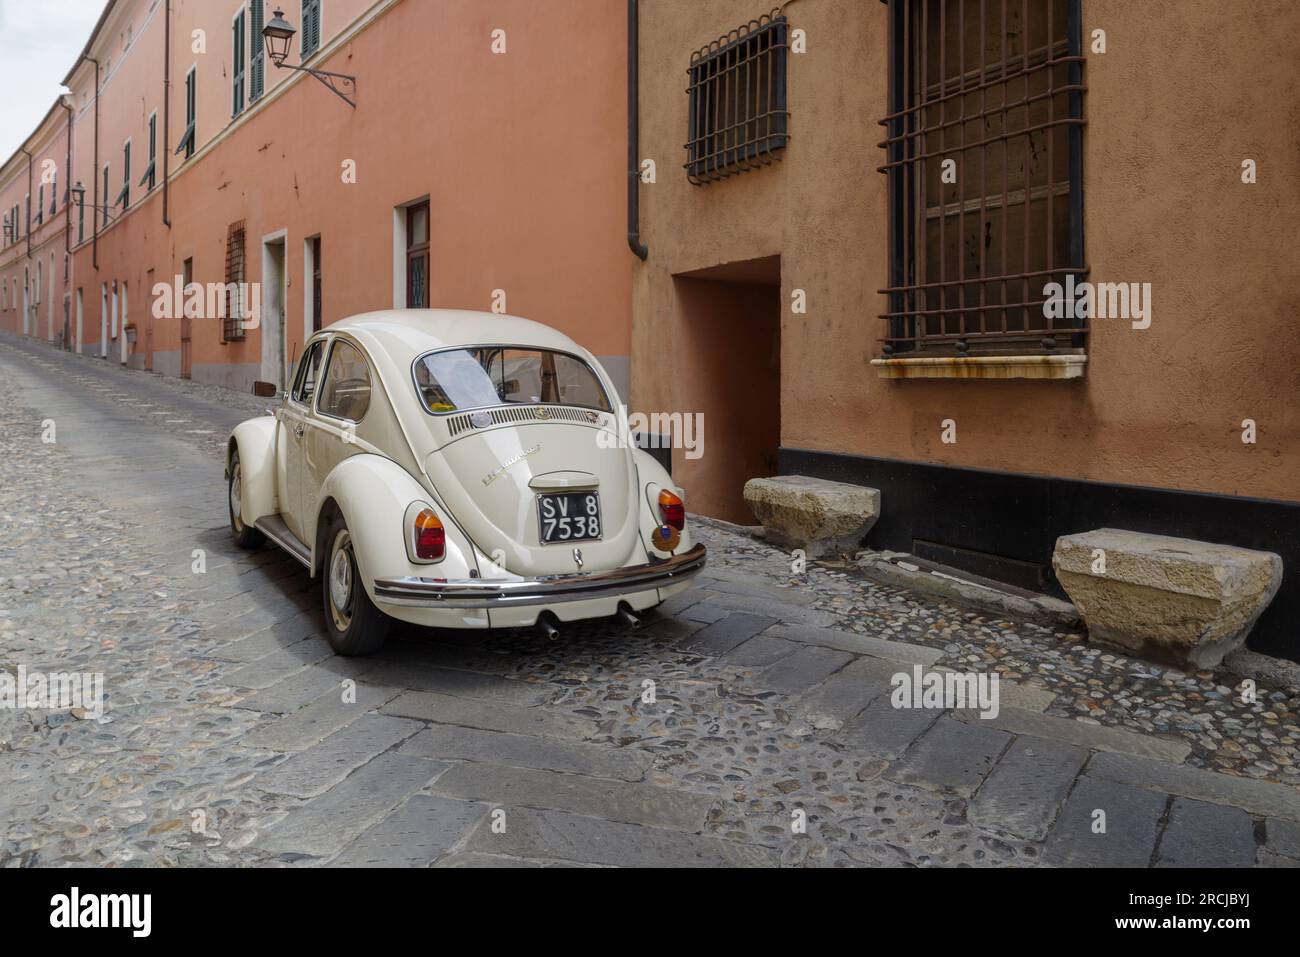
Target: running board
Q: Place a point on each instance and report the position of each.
(273, 527)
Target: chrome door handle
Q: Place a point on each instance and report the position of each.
(298, 430)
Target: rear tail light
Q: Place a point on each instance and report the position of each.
(430, 536)
(672, 510)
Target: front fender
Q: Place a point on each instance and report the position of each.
(255, 441)
(651, 478)
(373, 494)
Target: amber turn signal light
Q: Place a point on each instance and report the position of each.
(430, 536)
(672, 510)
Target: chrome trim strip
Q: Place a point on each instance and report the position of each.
(552, 589)
(273, 527)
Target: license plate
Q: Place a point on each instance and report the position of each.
(568, 517)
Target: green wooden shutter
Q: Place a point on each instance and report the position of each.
(257, 47)
(310, 27)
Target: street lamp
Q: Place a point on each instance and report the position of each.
(106, 211)
(278, 36)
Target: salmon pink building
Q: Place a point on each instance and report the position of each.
(441, 153)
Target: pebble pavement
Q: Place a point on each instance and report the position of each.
(746, 723)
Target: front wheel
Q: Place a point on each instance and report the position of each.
(353, 625)
(244, 536)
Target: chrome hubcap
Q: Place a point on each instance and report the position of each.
(340, 581)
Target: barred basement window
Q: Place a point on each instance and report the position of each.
(738, 116)
(232, 324)
(984, 156)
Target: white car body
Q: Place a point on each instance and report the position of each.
(481, 470)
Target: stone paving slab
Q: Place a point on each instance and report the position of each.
(462, 684)
(415, 835)
(704, 612)
(950, 756)
(754, 586)
(454, 743)
(320, 767)
(328, 824)
(557, 835)
(1283, 837)
(884, 733)
(798, 673)
(279, 664)
(1206, 835)
(594, 797)
(1132, 823)
(1093, 736)
(761, 651)
(846, 692)
(303, 687)
(726, 633)
(475, 861)
(858, 644)
(776, 609)
(1258, 797)
(1027, 787)
(488, 716)
(318, 720)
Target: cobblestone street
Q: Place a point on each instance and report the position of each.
(229, 736)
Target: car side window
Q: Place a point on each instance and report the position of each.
(304, 386)
(345, 389)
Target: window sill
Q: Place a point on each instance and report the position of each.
(983, 367)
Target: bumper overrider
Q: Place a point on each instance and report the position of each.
(578, 586)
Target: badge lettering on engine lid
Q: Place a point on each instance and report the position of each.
(496, 472)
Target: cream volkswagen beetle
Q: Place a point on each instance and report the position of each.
(458, 470)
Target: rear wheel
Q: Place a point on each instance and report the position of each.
(353, 625)
(244, 536)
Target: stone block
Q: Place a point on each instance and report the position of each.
(1172, 600)
(815, 515)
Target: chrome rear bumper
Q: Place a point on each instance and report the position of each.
(478, 593)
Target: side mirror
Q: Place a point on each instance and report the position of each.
(265, 390)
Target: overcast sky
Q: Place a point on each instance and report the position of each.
(39, 40)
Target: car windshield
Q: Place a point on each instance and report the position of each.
(498, 375)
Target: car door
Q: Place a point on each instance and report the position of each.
(342, 400)
(296, 417)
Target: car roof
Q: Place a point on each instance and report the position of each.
(404, 334)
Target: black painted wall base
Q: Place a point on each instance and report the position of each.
(1004, 525)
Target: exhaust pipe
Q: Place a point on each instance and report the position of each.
(546, 624)
(628, 617)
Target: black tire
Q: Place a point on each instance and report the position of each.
(245, 537)
(353, 625)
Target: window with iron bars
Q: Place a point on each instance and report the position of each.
(232, 324)
(984, 154)
(738, 119)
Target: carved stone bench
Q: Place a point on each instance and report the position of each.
(815, 515)
(1171, 600)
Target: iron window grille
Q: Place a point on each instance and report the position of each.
(232, 323)
(997, 87)
(738, 119)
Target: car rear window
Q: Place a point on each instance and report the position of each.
(460, 379)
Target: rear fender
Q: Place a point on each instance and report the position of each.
(373, 494)
(255, 441)
(651, 477)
